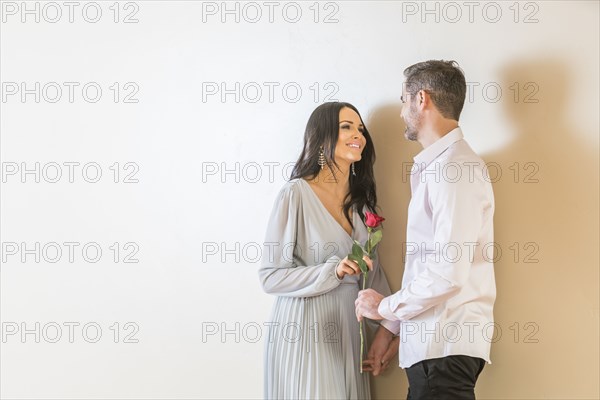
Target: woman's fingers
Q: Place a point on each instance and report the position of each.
(347, 270)
(390, 354)
(373, 366)
(347, 267)
(352, 266)
(368, 365)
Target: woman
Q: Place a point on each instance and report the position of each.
(313, 348)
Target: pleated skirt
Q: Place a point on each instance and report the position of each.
(312, 348)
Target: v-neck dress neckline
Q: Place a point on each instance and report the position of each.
(326, 211)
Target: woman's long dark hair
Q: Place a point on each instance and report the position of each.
(323, 129)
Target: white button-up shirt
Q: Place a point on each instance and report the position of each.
(445, 306)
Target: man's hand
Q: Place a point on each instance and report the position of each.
(382, 351)
(367, 303)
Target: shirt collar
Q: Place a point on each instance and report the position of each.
(427, 155)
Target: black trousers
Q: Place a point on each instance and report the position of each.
(446, 378)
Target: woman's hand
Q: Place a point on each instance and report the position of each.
(349, 267)
(383, 350)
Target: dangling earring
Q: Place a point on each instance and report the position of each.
(322, 160)
(353, 171)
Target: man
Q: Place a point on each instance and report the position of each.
(444, 311)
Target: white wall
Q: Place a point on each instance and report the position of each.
(195, 228)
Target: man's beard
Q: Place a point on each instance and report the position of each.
(412, 122)
(411, 134)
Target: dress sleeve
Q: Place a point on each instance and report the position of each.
(280, 273)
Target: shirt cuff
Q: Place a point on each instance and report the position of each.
(392, 326)
(385, 311)
(390, 322)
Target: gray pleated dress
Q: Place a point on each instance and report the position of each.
(313, 345)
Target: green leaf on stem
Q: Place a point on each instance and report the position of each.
(353, 258)
(357, 251)
(375, 238)
(363, 266)
(357, 256)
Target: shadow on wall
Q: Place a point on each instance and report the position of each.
(394, 160)
(546, 232)
(546, 225)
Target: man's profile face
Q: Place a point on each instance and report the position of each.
(410, 114)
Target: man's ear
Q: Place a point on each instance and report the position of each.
(423, 99)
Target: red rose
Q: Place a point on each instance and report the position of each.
(373, 220)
